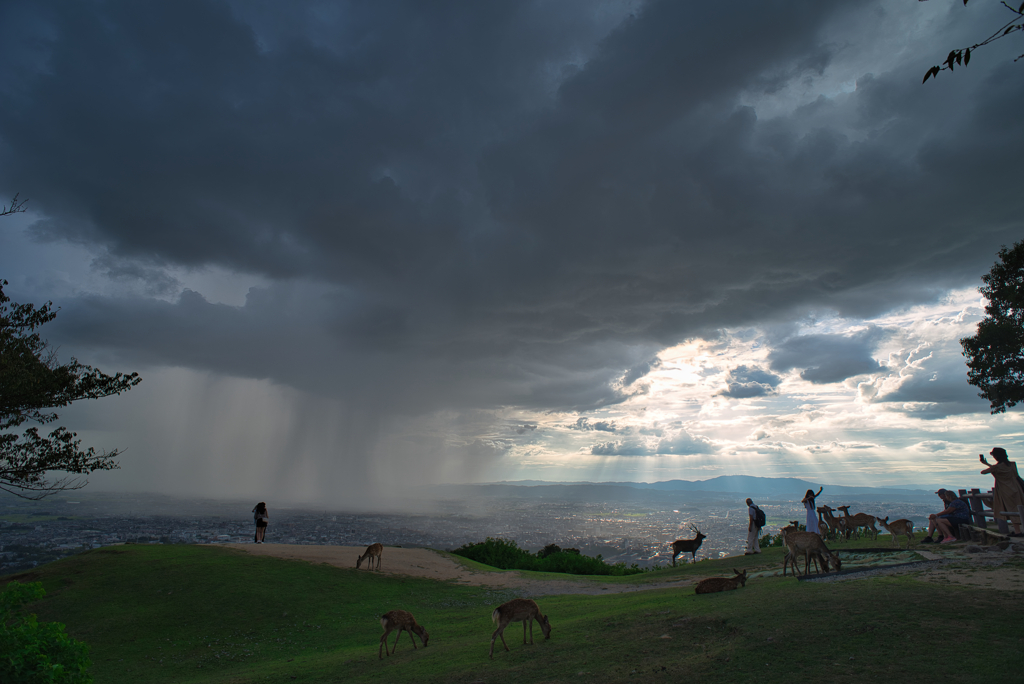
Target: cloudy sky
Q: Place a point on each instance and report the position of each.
(358, 248)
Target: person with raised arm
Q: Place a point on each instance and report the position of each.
(1007, 490)
(812, 510)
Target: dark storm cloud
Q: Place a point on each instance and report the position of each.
(828, 358)
(495, 204)
(744, 382)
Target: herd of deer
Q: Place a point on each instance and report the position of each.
(799, 543)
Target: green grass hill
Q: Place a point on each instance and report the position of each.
(183, 614)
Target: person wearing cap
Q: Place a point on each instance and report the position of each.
(956, 512)
(1007, 492)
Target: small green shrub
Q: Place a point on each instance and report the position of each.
(33, 652)
(506, 554)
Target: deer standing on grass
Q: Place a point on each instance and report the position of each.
(855, 522)
(400, 620)
(683, 545)
(808, 544)
(372, 551)
(824, 524)
(898, 527)
(794, 526)
(835, 524)
(713, 584)
(518, 610)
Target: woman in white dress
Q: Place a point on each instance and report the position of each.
(812, 510)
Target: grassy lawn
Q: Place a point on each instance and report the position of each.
(156, 613)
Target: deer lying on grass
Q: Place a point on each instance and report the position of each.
(400, 620)
(855, 522)
(808, 544)
(518, 610)
(683, 545)
(372, 551)
(898, 527)
(713, 584)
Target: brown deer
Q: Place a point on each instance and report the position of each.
(896, 528)
(683, 545)
(824, 525)
(713, 584)
(855, 522)
(808, 544)
(794, 526)
(372, 551)
(518, 610)
(400, 620)
(834, 524)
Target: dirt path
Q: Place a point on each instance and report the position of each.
(974, 569)
(443, 566)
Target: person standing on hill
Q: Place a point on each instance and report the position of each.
(812, 510)
(262, 517)
(753, 529)
(1007, 490)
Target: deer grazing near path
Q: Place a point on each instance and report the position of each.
(518, 610)
(688, 545)
(808, 544)
(794, 526)
(713, 584)
(400, 620)
(372, 551)
(855, 522)
(896, 528)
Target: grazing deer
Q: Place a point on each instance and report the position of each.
(372, 551)
(713, 584)
(855, 522)
(794, 526)
(518, 610)
(683, 545)
(808, 544)
(400, 620)
(898, 527)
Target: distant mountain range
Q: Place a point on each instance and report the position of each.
(717, 488)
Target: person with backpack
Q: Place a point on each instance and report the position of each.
(756, 522)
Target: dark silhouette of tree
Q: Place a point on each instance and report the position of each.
(995, 356)
(963, 55)
(32, 383)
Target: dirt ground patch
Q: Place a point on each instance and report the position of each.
(443, 566)
(1001, 578)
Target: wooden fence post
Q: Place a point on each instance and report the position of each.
(977, 508)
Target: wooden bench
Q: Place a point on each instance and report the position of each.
(978, 500)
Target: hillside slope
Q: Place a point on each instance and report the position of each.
(205, 614)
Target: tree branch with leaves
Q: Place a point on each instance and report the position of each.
(963, 55)
(32, 384)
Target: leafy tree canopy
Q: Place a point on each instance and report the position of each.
(32, 384)
(995, 356)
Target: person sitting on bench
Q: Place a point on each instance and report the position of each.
(957, 512)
